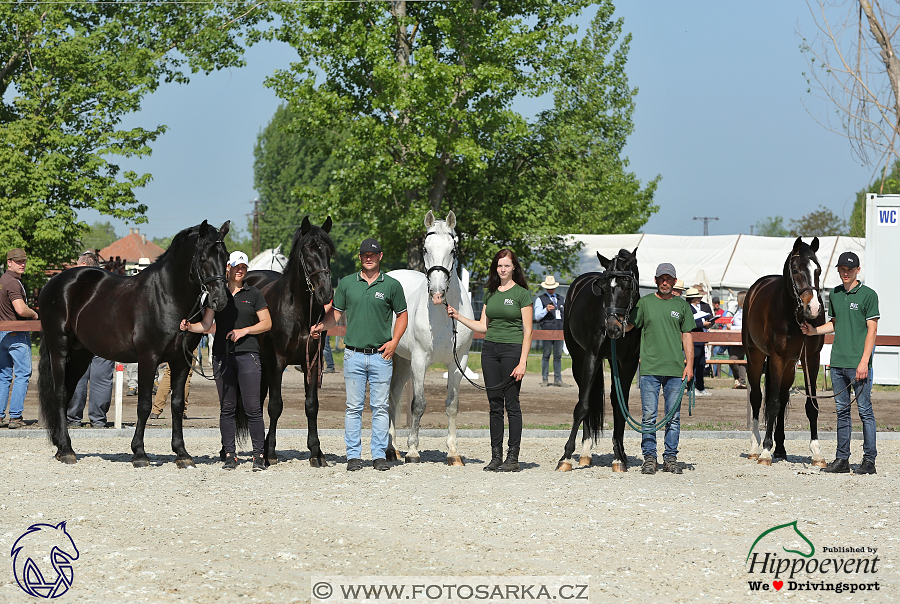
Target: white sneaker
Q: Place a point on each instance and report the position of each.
(702, 393)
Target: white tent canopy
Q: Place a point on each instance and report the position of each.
(729, 261)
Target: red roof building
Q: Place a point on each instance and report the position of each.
(132, 248)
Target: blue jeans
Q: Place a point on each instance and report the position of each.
(360, 369)
(326, 353)
(555, 347)
(650, 386)
(15, 370)
(840, 378)
(100, 375)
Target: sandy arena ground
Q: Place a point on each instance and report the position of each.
(206, 535)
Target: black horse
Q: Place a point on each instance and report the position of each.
(296, 301)
(774, 308)
(90, 311)
(596, 312)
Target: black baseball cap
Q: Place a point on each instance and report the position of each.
(848, 259)
(369, 245)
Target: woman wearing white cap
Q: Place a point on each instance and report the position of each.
(236, 358)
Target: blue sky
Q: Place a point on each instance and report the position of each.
(723, 114)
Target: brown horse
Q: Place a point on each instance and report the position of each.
(775, 307)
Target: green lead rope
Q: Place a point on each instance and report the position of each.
(633, 423)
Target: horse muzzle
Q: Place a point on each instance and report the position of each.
(615, 326)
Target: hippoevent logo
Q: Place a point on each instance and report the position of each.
(42, 560)
(838, 568)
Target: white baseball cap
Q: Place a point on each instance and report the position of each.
(238, 258)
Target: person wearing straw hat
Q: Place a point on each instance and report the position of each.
(703, 318)
(548, 312)
(678, 288)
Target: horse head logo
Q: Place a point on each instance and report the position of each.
(793, 525)
(42, 560)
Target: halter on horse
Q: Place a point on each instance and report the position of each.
(296, 301)
(588, 331)
(88, 311)
(774, 308)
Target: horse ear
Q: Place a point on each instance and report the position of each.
(304, 226)
(429, 219)
(604, 262)
(225, 228)
(814, 246)
(634, 253)
(451, 220)
(326, 226)
(597, 287)
(277, 250)
(798, 242)
(203, 227)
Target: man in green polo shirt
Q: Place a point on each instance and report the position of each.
(854, 321)
(369, 299)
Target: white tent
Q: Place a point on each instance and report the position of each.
(729, 261)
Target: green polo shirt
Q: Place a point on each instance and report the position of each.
(368, 308)
(504, 313)
(850, 311)
(662, 322)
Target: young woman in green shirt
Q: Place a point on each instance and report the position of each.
(506, 323)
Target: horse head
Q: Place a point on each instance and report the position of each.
(208, 263)
(617, 288)
(801, 274)
(440, 248)
(311, 251)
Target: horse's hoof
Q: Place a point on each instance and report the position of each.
(392, 455)
(68, 458)
(584, 460)
(455, 460)
(185, 462)
(819, 463)
(271, 461)
(764, 462)
(753, 456)
(411, 459)
(140, 462)
(564, 466)
(619, 466)
(318, 462)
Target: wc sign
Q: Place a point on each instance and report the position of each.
(888, 216)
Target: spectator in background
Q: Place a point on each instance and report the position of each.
(703, 319)
(99, 375)
(678, 290)
(718, 313)
(15, 346)
(165, 388)
(736, 353)
(548, 312)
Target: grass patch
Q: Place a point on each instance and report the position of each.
(718, 426)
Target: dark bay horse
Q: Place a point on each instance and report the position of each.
(90, 311)
(597, 308)
(296, 301)
(774, 308)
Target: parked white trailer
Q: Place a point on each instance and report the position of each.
(882, 252)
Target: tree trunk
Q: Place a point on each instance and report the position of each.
(891, 63)
(415, 261)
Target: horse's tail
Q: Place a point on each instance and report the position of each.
(51, 417)
(242, 424)
(595, 409)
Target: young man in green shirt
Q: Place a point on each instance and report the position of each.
(854, 321)
(666, 321)
(369, 299)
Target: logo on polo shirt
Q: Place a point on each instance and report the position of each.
(676, 314)
(854, 306)
(379, 295)
(508, 302)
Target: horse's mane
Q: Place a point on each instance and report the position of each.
(314, 232)
(177, 242)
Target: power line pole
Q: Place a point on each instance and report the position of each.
(256, 214)
(706, 220)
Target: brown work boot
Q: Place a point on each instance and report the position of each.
(16, 422)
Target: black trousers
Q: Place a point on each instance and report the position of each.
(699, 366)
(497, 363)
(243, 370)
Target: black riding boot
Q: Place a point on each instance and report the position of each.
(512, 461)
(496, 460)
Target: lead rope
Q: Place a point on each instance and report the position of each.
(806, 382)
(503, 385)
(620, 400)
(318, 357)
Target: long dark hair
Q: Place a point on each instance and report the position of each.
(518, 275)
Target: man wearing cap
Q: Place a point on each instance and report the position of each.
(666, 322)
(369, 299)
(15, 346)
(548, 311)
(703, 319)
(854, 321)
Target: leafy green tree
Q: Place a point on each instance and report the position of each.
(419, 97)
(819, 223)
(771, 226)
(99, 235)
(69, 72)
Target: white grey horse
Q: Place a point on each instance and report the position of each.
(429, 335)
(269, 260)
